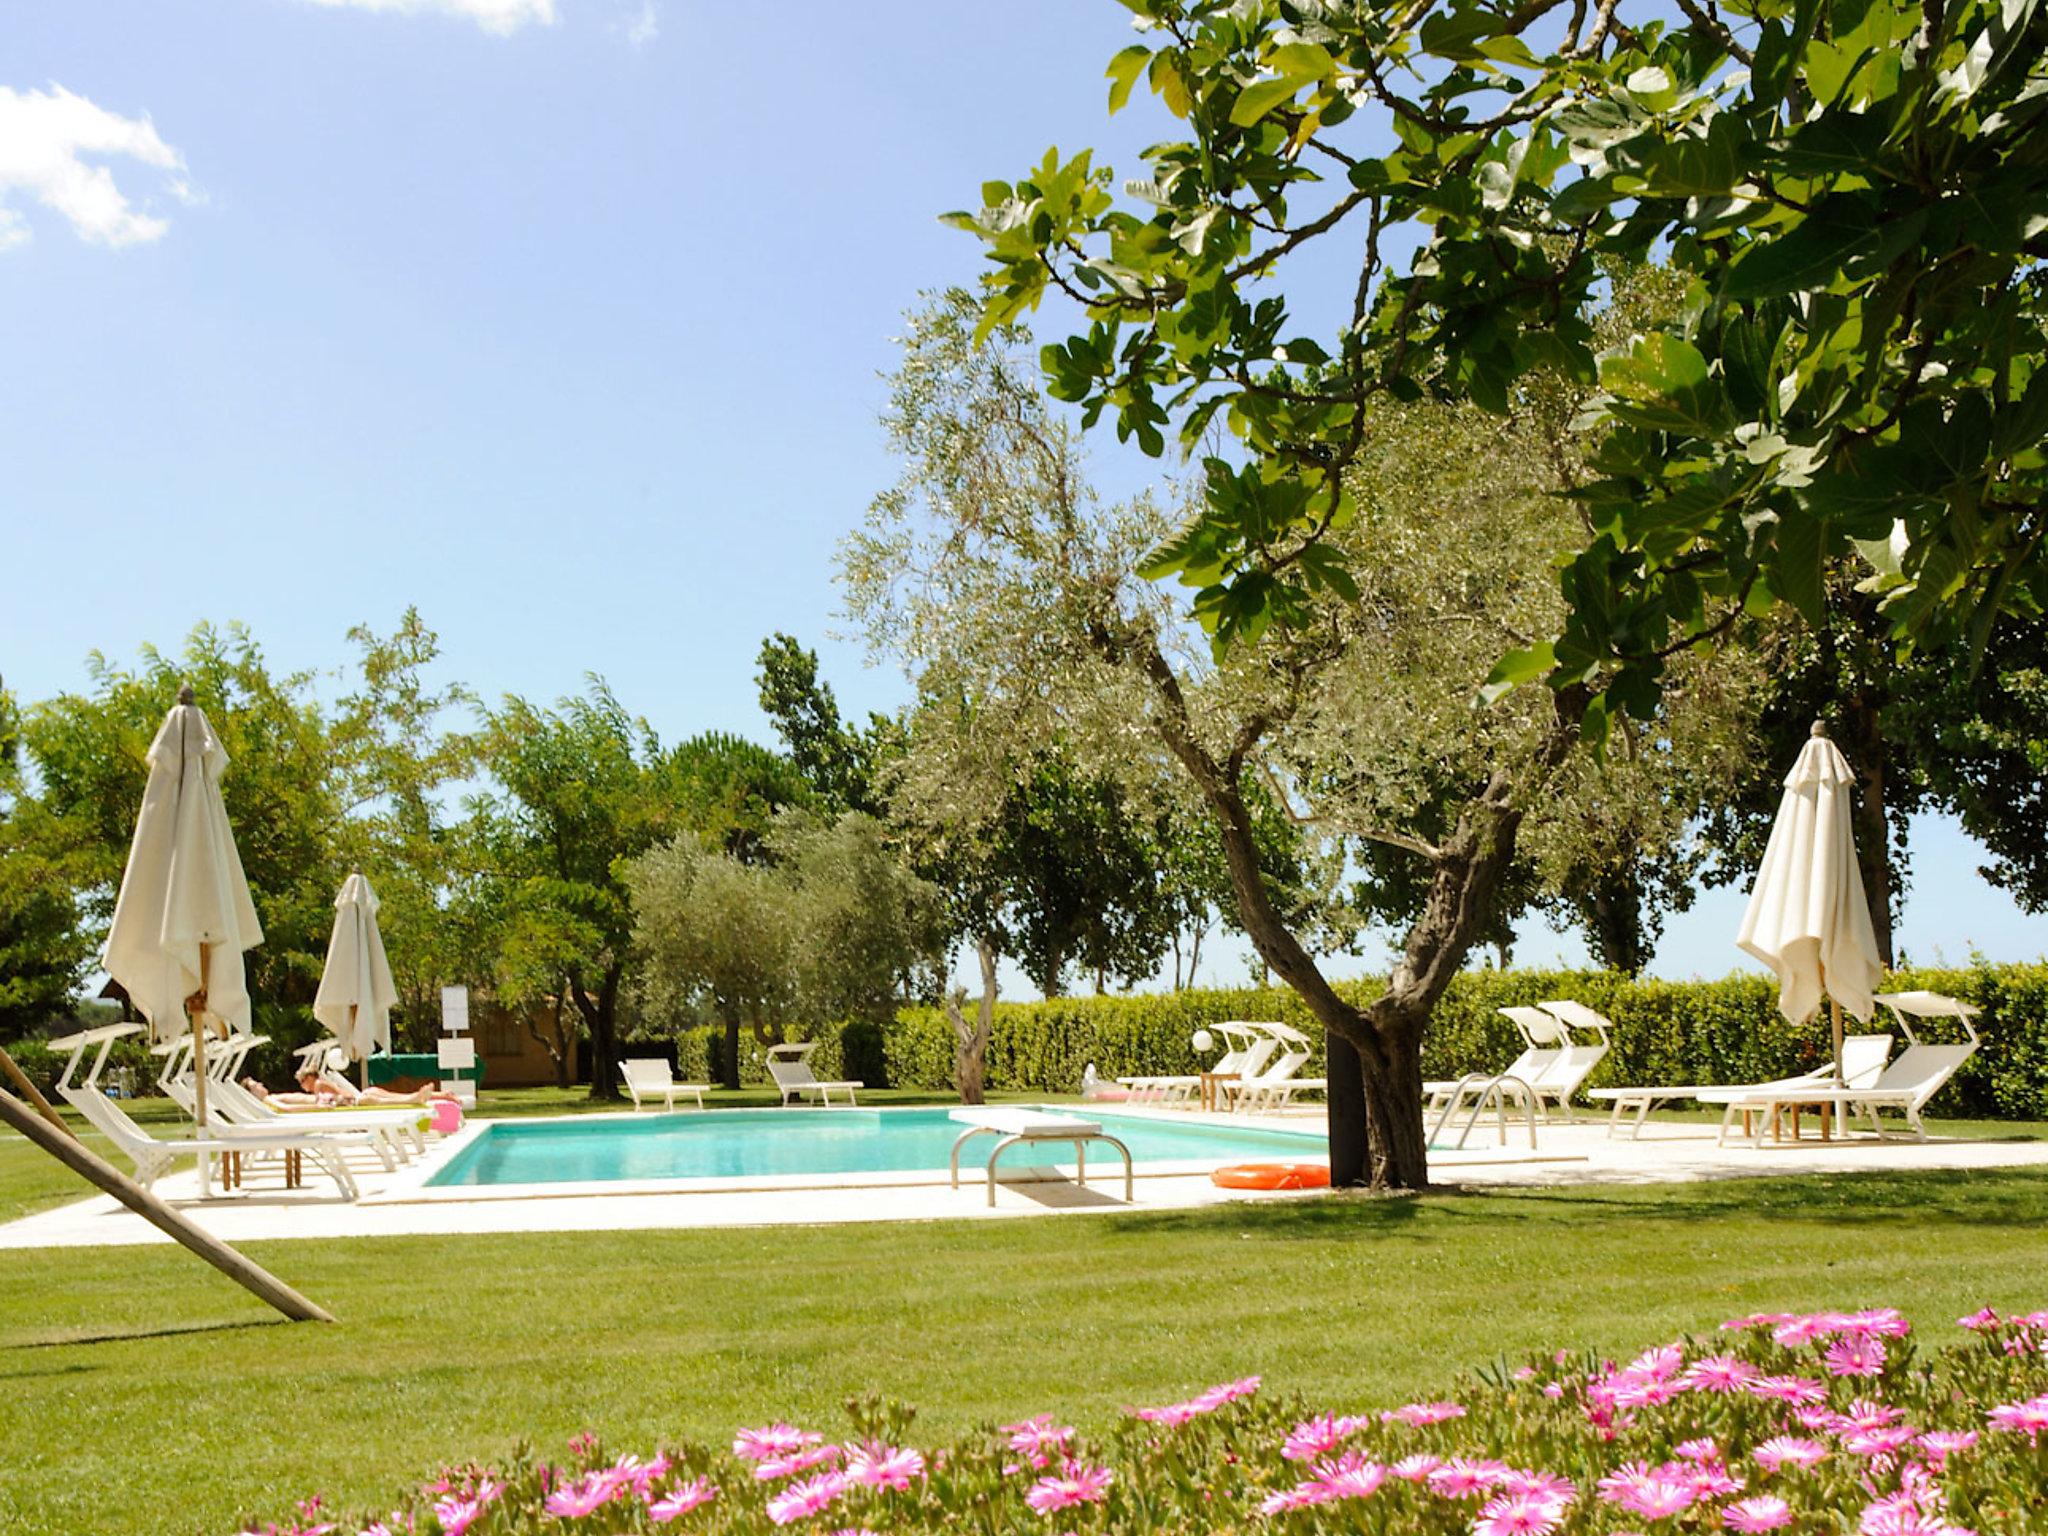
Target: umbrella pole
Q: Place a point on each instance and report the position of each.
(366, 1044)
(29, 1092)
(81, 1159)
(195, 1008)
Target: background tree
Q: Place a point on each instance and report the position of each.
(992, 567)
(587, 787)
(1852, 189)
(43, 944)
(718, 938)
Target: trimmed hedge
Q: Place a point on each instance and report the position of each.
(1726, 1031)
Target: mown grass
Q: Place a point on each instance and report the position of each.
(139, 1392)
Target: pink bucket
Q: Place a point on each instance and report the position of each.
(447, 1116)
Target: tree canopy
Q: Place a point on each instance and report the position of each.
(1854, 191)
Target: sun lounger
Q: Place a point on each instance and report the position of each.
(1919, 1072)
(648, 1078)
(1863, 1058)
(391, 1134)
(790, 1065)
(1273, 1089)
(1248, 1046)
(1030, 1127)
(153, 1157)
(1545, 1040)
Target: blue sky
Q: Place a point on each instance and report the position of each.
(562, 319)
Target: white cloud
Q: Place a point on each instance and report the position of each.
(45, 137)
(500, 16)
(644, 27)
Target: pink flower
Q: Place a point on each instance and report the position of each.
(1517, 1514)
(1879, 1442)
(1078, 1484)
(586, 1495)
(1547, 1486)
(812, 1496)
(1300, 1496)
(458, 1512)
(1718, 1373)
(1806, 1328)
(1038, 1440)
(2028, 1417)
(773, 1440)
(777, 1467)
(1228, 1391)
(1172, 1415)
(1350, 1476)
(1461, 1477)
(1940, 1444)
(1876, 1322)
(1864, 1414)
(884, 1466)
(680, 1501)
(1856, 1354)
(1320, 1435)
(1659, 1362)
(1659, 1498)
(1419, 1414)
(1766, 1512)
(1416, 1469)
(1697, 1450)
(1977, 1322)
(1788, 1389)
(1781, 1451)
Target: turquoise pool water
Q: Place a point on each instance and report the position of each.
(790, 1143)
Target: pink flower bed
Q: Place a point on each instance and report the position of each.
(1812, 1424)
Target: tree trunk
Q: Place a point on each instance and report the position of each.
(1866, 751)
(970, 1042)
(555, 1042)
(1612, 910)
(729, 1065)
(1345, 1093)
(600, 1016)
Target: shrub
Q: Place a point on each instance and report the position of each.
(1803, 1423)
(1725, 1031)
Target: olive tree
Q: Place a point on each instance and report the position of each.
(994, 571)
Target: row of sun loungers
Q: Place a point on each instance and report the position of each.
(1565, 1040)
(648, 1078)
(1259, 1070)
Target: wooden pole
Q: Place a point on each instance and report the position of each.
(30, 1092)
(82, 1160)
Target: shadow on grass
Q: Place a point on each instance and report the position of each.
(129, 1335)
(2004, 1197)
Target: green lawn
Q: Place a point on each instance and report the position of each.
(139, 1392)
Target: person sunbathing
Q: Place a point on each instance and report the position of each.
(315, 1092)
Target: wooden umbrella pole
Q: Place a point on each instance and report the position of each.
(82, 1160)
(195, 1010)
(30, 1092)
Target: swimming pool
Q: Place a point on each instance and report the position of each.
(792, 1143)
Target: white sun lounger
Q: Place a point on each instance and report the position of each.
(1030, 1127)
(648, 1078)
(1248, 1046)
(1545, 1040)
(152, 1157)
(1273, 1089)
(1863, 1058)
(790, 1065)
(391, 1135)
(1920, 1072)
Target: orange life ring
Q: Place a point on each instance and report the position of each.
(1272, 1176)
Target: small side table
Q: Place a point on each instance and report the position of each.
(1212, 1087)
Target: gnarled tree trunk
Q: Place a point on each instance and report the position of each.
(600, 1017)
(970, 1041)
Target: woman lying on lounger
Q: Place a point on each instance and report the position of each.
(317, 1093)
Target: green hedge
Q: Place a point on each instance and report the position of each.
(1726, 1031)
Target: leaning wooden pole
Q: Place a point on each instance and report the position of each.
(89, 1165)
(33, 1095)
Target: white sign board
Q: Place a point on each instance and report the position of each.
(454, 1010)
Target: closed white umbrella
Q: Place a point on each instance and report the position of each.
(356, 993)
(184, 915)
(1808, 918)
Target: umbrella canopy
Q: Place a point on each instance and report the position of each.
(356, 994)
(1808, 918)
(184, 915)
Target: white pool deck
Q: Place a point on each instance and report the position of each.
(400, 1204)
